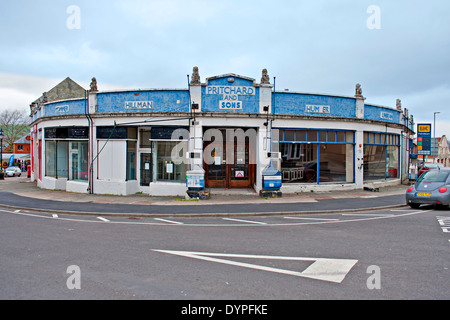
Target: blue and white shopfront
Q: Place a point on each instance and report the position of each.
(130, 141)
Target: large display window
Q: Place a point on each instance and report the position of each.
(381, 156)
(64, 156)
(316, 156)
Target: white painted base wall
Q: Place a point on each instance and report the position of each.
(167, 189)
(116, 187)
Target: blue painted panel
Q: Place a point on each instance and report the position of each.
(143, 101)
(223, 81)
(62, 108)
(381, 114)
(314, 105)
(239, 96)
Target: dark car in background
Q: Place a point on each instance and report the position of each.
(427, 166)
(432, 188)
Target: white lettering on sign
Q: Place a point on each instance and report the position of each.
(62, 109)
(317, 109)
(231, 90)
(230, 105)
(138, 104)
(386, 116)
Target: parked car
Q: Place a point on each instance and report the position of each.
(13, 172)
(427, 166)
(432, 187)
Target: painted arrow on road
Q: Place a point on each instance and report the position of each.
(331, 270)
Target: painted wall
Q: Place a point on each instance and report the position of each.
(239, 96)
(313, 105)
(381, 113)
(67, 107)
(143, 101)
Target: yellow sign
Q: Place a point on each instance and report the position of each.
(425, 128)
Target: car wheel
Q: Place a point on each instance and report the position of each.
(414, 205)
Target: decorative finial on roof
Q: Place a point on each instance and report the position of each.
(358, 91)
(94, 85)
(195, 77)
(398, 104)
(265, 77)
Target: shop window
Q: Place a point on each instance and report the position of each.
(289, 135)
(62, 159)
(312, 135)
(78, 161)
(170, 161)
(301, 135)
(374, 162)
(392, 162)
(144, 138)
(50, 159)
(67, 159)
(131, 160)
(330, 160)
(381, 156)
(322, 136)
(332, 136)
(336, 163)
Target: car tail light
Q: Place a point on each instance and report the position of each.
(410, 189)
(443, 190)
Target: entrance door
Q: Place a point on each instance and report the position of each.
(146, 169)
(239, 172)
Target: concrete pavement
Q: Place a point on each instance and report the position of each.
(22, 194)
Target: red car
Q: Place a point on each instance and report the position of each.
(428, 166)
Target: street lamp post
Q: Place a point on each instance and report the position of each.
(434, 133)
(1, 149)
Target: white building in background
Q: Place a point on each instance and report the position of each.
(444, 152)
(129, 141)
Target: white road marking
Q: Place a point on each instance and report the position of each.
(103, 219)
(444, 222)
(17, 211)
(246, 221)
(302, 218)
(168, 221)
(369, 214)
(221, 225)
(331, 270)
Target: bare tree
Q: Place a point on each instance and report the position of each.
(15, 124)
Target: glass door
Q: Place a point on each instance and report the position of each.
(216, 172)
(240, 173)
(146, 169)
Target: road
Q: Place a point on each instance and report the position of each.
(385, 254)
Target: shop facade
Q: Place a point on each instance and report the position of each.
(231, 126)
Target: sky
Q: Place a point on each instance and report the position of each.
(395, 49)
